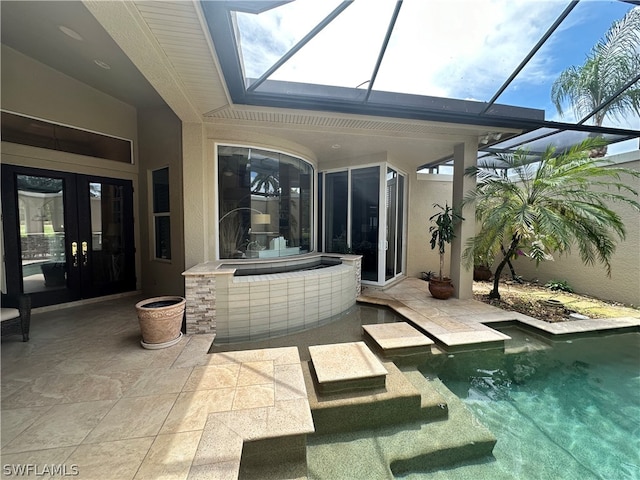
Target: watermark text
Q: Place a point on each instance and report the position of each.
(39, 470)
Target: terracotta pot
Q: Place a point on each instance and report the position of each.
(161, 321)
(440, 289)
(481, 272)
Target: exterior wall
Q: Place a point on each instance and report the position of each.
(424, 191)
(196, 193)
(34, 89)
(624, 284)
(161, 146)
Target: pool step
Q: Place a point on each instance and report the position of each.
(398, 341)
(346, 367)
(419, 446)
(397, 402)
(522, 341)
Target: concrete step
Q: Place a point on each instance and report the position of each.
(396, 403)
(420, 446)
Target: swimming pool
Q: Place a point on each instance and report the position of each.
(570, 410)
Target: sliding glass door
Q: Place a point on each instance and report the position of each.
(365, 219)
(363, 214)
(395, 224)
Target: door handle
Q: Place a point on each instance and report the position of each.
(74, 253)
(85, 248)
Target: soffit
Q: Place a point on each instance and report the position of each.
(409, 143)
(33, 29)
(178, 29)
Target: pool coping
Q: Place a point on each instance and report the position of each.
(458, 325)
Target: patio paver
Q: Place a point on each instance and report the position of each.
(73, 393)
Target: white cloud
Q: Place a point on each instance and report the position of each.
(465, 49)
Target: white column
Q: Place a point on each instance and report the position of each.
(464, 155)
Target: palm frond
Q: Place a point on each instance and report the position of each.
(610, 64)
(565, 203)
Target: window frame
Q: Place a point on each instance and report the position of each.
(216, 196)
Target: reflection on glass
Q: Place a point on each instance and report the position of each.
(336, 201)
(265, 203)
(107, 233)
(365, 200)
(42, 234)
(162, 213)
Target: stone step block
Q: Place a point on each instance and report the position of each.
(343, 367)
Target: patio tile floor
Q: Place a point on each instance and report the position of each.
(83, 392)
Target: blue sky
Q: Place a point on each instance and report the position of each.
(451, 48)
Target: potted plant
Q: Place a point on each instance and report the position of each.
(482, 266)
(442, 233)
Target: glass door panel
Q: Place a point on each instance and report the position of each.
(365, 201)
(106, 231)
(336, 200)
(392, 207)
(395, 224)
(42, 233)
(400, 226)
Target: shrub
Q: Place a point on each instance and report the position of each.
(561, 285)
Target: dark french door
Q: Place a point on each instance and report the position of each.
(67, 236)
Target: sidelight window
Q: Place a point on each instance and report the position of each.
(161, 214)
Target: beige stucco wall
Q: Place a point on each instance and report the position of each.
(161, 146)
(424, 191)
(624, 284)
(33, 89)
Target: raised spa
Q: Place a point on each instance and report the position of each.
(244, 301)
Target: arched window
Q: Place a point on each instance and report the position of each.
(265, 203)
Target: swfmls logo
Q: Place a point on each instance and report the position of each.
(33, 469)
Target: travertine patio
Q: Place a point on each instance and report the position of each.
(83, 392)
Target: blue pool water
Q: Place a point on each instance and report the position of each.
(571, 411)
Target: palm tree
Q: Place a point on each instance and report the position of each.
(612, 63)
(264, 184)
(549, 207)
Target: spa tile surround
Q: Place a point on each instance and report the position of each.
(253, 307)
